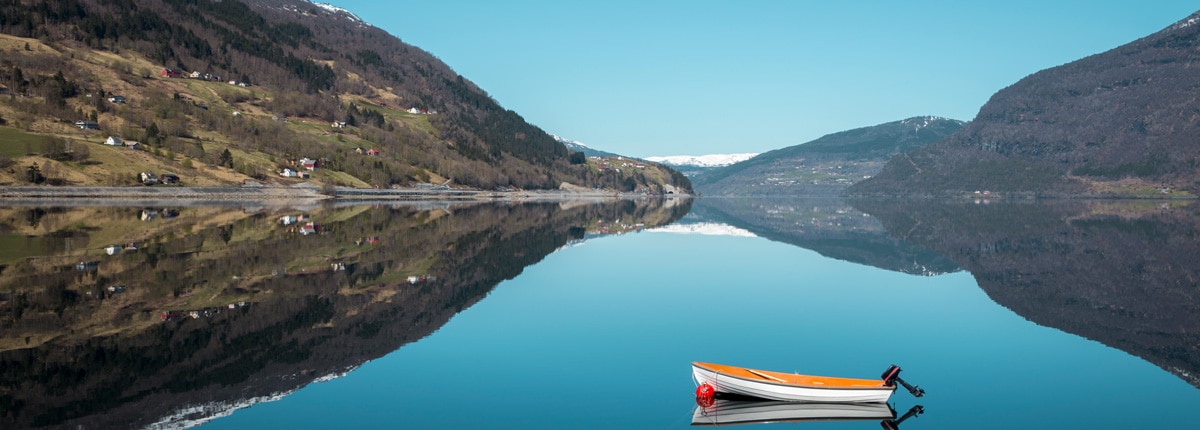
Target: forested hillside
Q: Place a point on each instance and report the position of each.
(219, 91)
(1119, 123)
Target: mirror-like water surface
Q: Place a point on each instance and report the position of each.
(544, 316)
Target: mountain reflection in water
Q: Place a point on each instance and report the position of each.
(1122, 273)
(830, 227)
(117, 317)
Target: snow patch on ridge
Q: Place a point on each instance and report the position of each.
(336, 10)
(1186, 22)
(564, 140)
(704, 228)
(711, 160)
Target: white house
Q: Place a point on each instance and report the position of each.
(288, 173)
(114, 141)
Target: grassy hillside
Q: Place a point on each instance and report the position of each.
(275, 81)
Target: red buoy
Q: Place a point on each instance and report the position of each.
(705, 395)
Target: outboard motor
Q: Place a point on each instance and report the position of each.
(892, 375)
(895, 424)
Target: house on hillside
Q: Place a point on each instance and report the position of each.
(413, 110)
(87, 125)
(308, 163)
(133, 144)
(171, 73)
(339, 124)
(170, 178)
(288, 173)
(149, 178)
(372, 152)
(114, 141)
(117, 99)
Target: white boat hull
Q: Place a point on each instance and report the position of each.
(766, 411)
(765, 389)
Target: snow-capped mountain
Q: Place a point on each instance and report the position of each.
(692, 165)
(578, 146)
(711, 160)
(336, 10)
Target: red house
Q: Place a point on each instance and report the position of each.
(309, 164)
(373, 152)
(171, 73)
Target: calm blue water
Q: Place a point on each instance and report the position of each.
(601, 335)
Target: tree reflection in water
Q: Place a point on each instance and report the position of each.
(185, 316)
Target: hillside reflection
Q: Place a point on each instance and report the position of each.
(115, 317)
(829, 227)
(1123, 273)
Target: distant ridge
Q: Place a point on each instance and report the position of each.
(827, 165)
(710, 160)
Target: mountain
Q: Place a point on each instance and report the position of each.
(827, 165)
(222, 91)
(693, 165)
(1122, 122)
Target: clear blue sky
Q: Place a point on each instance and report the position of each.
(646, 78)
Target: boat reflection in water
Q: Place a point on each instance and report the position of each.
(735, 410)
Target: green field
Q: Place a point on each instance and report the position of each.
(15, 143)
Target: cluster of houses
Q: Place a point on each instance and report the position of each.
(153, 214)
(304, 163)
(421, 111)
(172, 73)
(306, 229)
(200, 313)
(369, 152)
(151, 178)
(414, 280)
(617, 227)
(117, 249)
(116, 141)
(610, 163)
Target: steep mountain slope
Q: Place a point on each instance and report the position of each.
(827, 165)
(261, 85)
(1117, 123)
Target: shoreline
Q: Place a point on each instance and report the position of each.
(69, 194)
